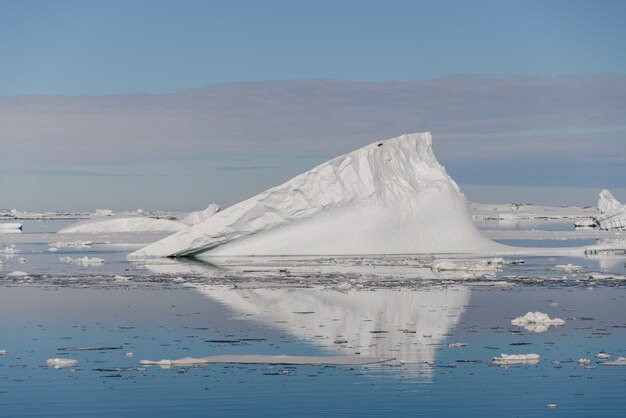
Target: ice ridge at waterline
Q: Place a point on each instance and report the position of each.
(389, 197)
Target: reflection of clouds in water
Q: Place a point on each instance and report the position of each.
(405, 324)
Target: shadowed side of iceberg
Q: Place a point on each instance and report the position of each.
(390, 197)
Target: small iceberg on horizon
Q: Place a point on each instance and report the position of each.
(389, 197)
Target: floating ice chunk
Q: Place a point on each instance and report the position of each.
(612, 212)
(584, 361)
(129, 354)
(506, 359)
(567, 267)
(620, 361)
(59, 363)
(71, 244)
(9, 250)
(456, 345)
(17, 273)
(603, 356)
(84, 261)
(130, 224)
(3, 352)
(53, 249)
(201, 215)
(536, 322)
(104, 212)
(22, 260)
(489, 265)
(390, 197)
(269, 359)
(10, 227)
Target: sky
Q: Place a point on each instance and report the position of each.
(175, 104)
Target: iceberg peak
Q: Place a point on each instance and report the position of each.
(612, 212)
(389, 197)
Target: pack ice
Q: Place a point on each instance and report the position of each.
(390, 197)
(612, 212)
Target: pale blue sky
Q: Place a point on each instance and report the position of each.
(521, 96)
(152, 46)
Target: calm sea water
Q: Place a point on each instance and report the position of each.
(70, 306)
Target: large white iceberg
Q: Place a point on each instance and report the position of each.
(612, 212)
(390, 197)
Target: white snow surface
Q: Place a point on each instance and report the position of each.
(612, 213)
(536, 321)
(126, 224)
(390, 197)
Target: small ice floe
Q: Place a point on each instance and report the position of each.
(620, 361)
(584, 361)
(602, 356)
(129, 354)
(552, 406)
(21, 260)
(104, 212)
(9, 228)
(71, 244)
(3, 352)
(457, 345)
(518, 261)
(269, 359)
(567, 267)
(88, 348)
(53, 249)
(536, 321)
(610, 276)
(17, 273)
(59, 363)
(506, 359)
(85, 261)
(9, 250)
(472, 266)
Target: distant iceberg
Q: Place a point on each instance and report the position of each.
(390, 197)
(612, 213)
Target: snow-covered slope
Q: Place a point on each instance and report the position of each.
(134, 224)
(612, 212)
(201, 215)
(390, 197)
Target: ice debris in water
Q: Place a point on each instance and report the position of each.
(620, 361)
(17, 273)
(612, 212)
(71, 244)
(536, 321)
(603, 356)
(506, 359)
(9, 250)
(59, 363)
(269, 359)
(567, 267)
(584, 361)
(84, 261)
(3, 352)
(390, 197)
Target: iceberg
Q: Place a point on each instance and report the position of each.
(390, 197)
(612, 213)
(536, 322)
(201, 215)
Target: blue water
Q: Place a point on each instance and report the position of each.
(175, 323)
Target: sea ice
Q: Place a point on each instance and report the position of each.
(536, 322)
(84, 261)
(620, 361)
(59, 363)
(269, 359)
(506, 359)
(10, 227)
(3, 352)
(128, 224)
(390, 197)
(612, 213)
